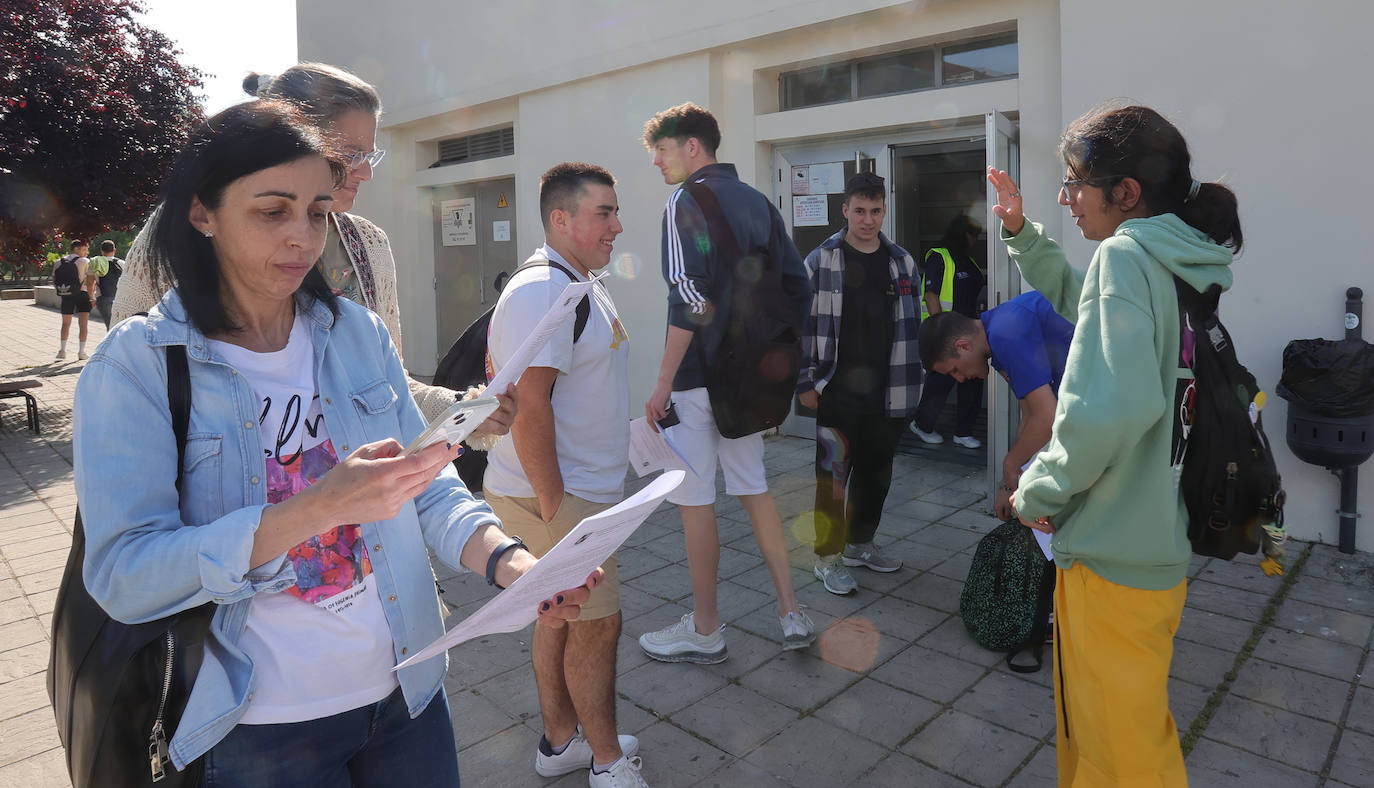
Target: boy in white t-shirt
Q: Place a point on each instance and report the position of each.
(566, 459)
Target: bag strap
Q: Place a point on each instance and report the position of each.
(1044, 603)
(179, 401)
(584, 307)
(722, 237)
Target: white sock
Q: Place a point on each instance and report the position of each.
(63, 348)
(81, 347)
(600, 768)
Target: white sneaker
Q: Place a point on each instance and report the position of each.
(61, 354)
(681, 642)
(81, 356)
(797, 630)
(833, 575)
(576, 755)
(968, 441)
(624, 773)
(928, 437)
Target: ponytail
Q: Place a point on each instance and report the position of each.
(1215, 212)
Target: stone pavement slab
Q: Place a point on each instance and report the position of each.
(895, 693)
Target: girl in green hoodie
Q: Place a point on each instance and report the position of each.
(1105, 485)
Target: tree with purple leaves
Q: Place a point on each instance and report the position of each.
(93, 108)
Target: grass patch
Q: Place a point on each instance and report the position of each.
(1223, 689)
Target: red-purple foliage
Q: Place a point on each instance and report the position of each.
(94, 106)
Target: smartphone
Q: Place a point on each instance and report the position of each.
(670, 418)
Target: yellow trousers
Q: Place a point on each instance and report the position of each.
(1112, 646)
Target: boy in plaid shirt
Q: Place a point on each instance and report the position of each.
(864, 381)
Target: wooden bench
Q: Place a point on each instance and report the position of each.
(15, 388)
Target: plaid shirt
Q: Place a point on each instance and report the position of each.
(821, 341)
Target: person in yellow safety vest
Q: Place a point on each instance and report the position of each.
(951, 281)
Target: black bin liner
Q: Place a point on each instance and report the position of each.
(1329, 377)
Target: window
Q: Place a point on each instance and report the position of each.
(900, 72)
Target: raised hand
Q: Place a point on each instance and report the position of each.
(1008, 207)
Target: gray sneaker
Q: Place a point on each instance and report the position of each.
(681, 642)
(831, 572)
(797, 630)
(868, 555)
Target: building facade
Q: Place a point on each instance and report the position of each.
(482, 98)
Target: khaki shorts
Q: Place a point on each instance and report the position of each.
(520, 517)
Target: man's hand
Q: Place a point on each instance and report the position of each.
(656, 407)
(810, 399)
(1041, 524)
(1002, 505)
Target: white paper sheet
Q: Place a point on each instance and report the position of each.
(562, 310)
(1043, 539)
(566, 566)
(652, 451)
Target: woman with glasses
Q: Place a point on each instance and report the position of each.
(1105, 486)
(357, 262)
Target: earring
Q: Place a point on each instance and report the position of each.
(209, 234)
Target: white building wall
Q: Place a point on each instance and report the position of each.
(1273, 99)
(1265, 95)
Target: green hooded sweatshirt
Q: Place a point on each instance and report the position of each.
(1105, 479)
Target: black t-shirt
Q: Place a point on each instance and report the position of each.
(865, 346)
(968, 281)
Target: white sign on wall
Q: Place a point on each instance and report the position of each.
(810, 210)
(458, 221)
(500, 231)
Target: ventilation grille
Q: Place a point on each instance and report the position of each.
(475, 147)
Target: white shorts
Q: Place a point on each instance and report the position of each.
(701, 443)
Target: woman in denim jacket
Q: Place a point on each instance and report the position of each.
(298, 515)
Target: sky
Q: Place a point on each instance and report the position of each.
(227, 40)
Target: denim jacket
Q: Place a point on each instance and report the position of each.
(149, 555)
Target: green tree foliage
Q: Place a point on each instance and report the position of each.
(94, 106)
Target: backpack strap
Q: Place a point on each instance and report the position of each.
(1044, 603)
(722, 237)
(584, 307)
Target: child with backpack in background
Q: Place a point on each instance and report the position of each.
(1106, 485)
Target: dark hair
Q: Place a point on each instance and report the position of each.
(680, 123)
(323, 92)
(76, 243)
(935, 340)
(239, 141)
(956, 235)
(868, 185)
(563, 185)
(107, 246)
(1110, 144)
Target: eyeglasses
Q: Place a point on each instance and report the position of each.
(1075, 183)
(355, 159)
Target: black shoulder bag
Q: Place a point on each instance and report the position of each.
(118, 690)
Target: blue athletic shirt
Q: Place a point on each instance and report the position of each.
(1029, 342)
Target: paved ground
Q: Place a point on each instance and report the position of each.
(1270, 683)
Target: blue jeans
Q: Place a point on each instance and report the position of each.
(376, 745)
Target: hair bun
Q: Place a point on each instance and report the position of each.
(256, 84)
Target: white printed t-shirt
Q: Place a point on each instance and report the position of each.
(322, 646)
(591, 397)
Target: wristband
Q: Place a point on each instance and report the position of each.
(509, 544)
(1005, 488)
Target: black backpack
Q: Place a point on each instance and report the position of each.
(1230, 484)
(753, 376)
(465, 364)
(65, 277)
(1008, 594)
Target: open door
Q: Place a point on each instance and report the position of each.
(1004, 282)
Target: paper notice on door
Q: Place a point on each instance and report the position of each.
(562, 310)
(810, 210)
(566, 566)
(457, 221)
